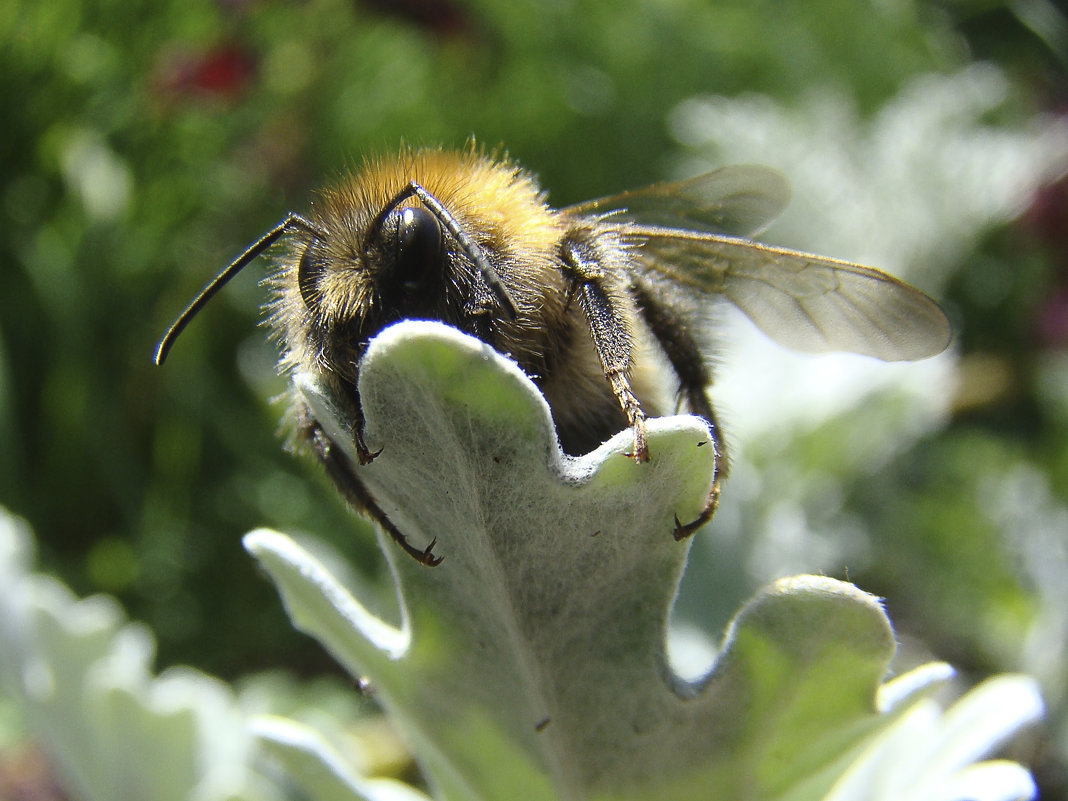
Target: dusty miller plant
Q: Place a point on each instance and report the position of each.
(529, 664)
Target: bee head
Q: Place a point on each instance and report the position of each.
(360, 264)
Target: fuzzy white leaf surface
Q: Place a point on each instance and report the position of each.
(531, 662)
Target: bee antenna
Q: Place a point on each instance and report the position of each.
(218, 282)
(467, 244)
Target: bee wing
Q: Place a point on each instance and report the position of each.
(805, 302)
(740, 200)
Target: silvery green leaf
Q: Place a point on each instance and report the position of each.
(931, 755)
(531, 662)
(316, 766)
(81, 675)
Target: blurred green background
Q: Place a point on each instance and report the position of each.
(144, 144)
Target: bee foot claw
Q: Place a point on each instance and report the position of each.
(426, 557)
(684, 530)
(364, 456)
(638, 455)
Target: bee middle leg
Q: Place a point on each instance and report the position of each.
(684, 355)
(611, 335)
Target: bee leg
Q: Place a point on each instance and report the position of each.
(610, 333)
(684, 530)
(353, 490)
(684, 355)
(364, 455)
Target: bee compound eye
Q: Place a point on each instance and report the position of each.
(418, 246)
(309, 271)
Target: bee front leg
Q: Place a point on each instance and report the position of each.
(352, 489)
(608, 326)
(364, 455)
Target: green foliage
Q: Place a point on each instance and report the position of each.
(145, 143)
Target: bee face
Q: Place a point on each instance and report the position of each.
(583, 298)
(455, 237)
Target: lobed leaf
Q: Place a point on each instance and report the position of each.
(530, 663)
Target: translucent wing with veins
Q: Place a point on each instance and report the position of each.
(740, 200)
(806, 302)
(691, 233)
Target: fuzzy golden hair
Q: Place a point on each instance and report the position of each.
(503, 209)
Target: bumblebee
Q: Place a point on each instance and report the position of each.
(591, 300)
